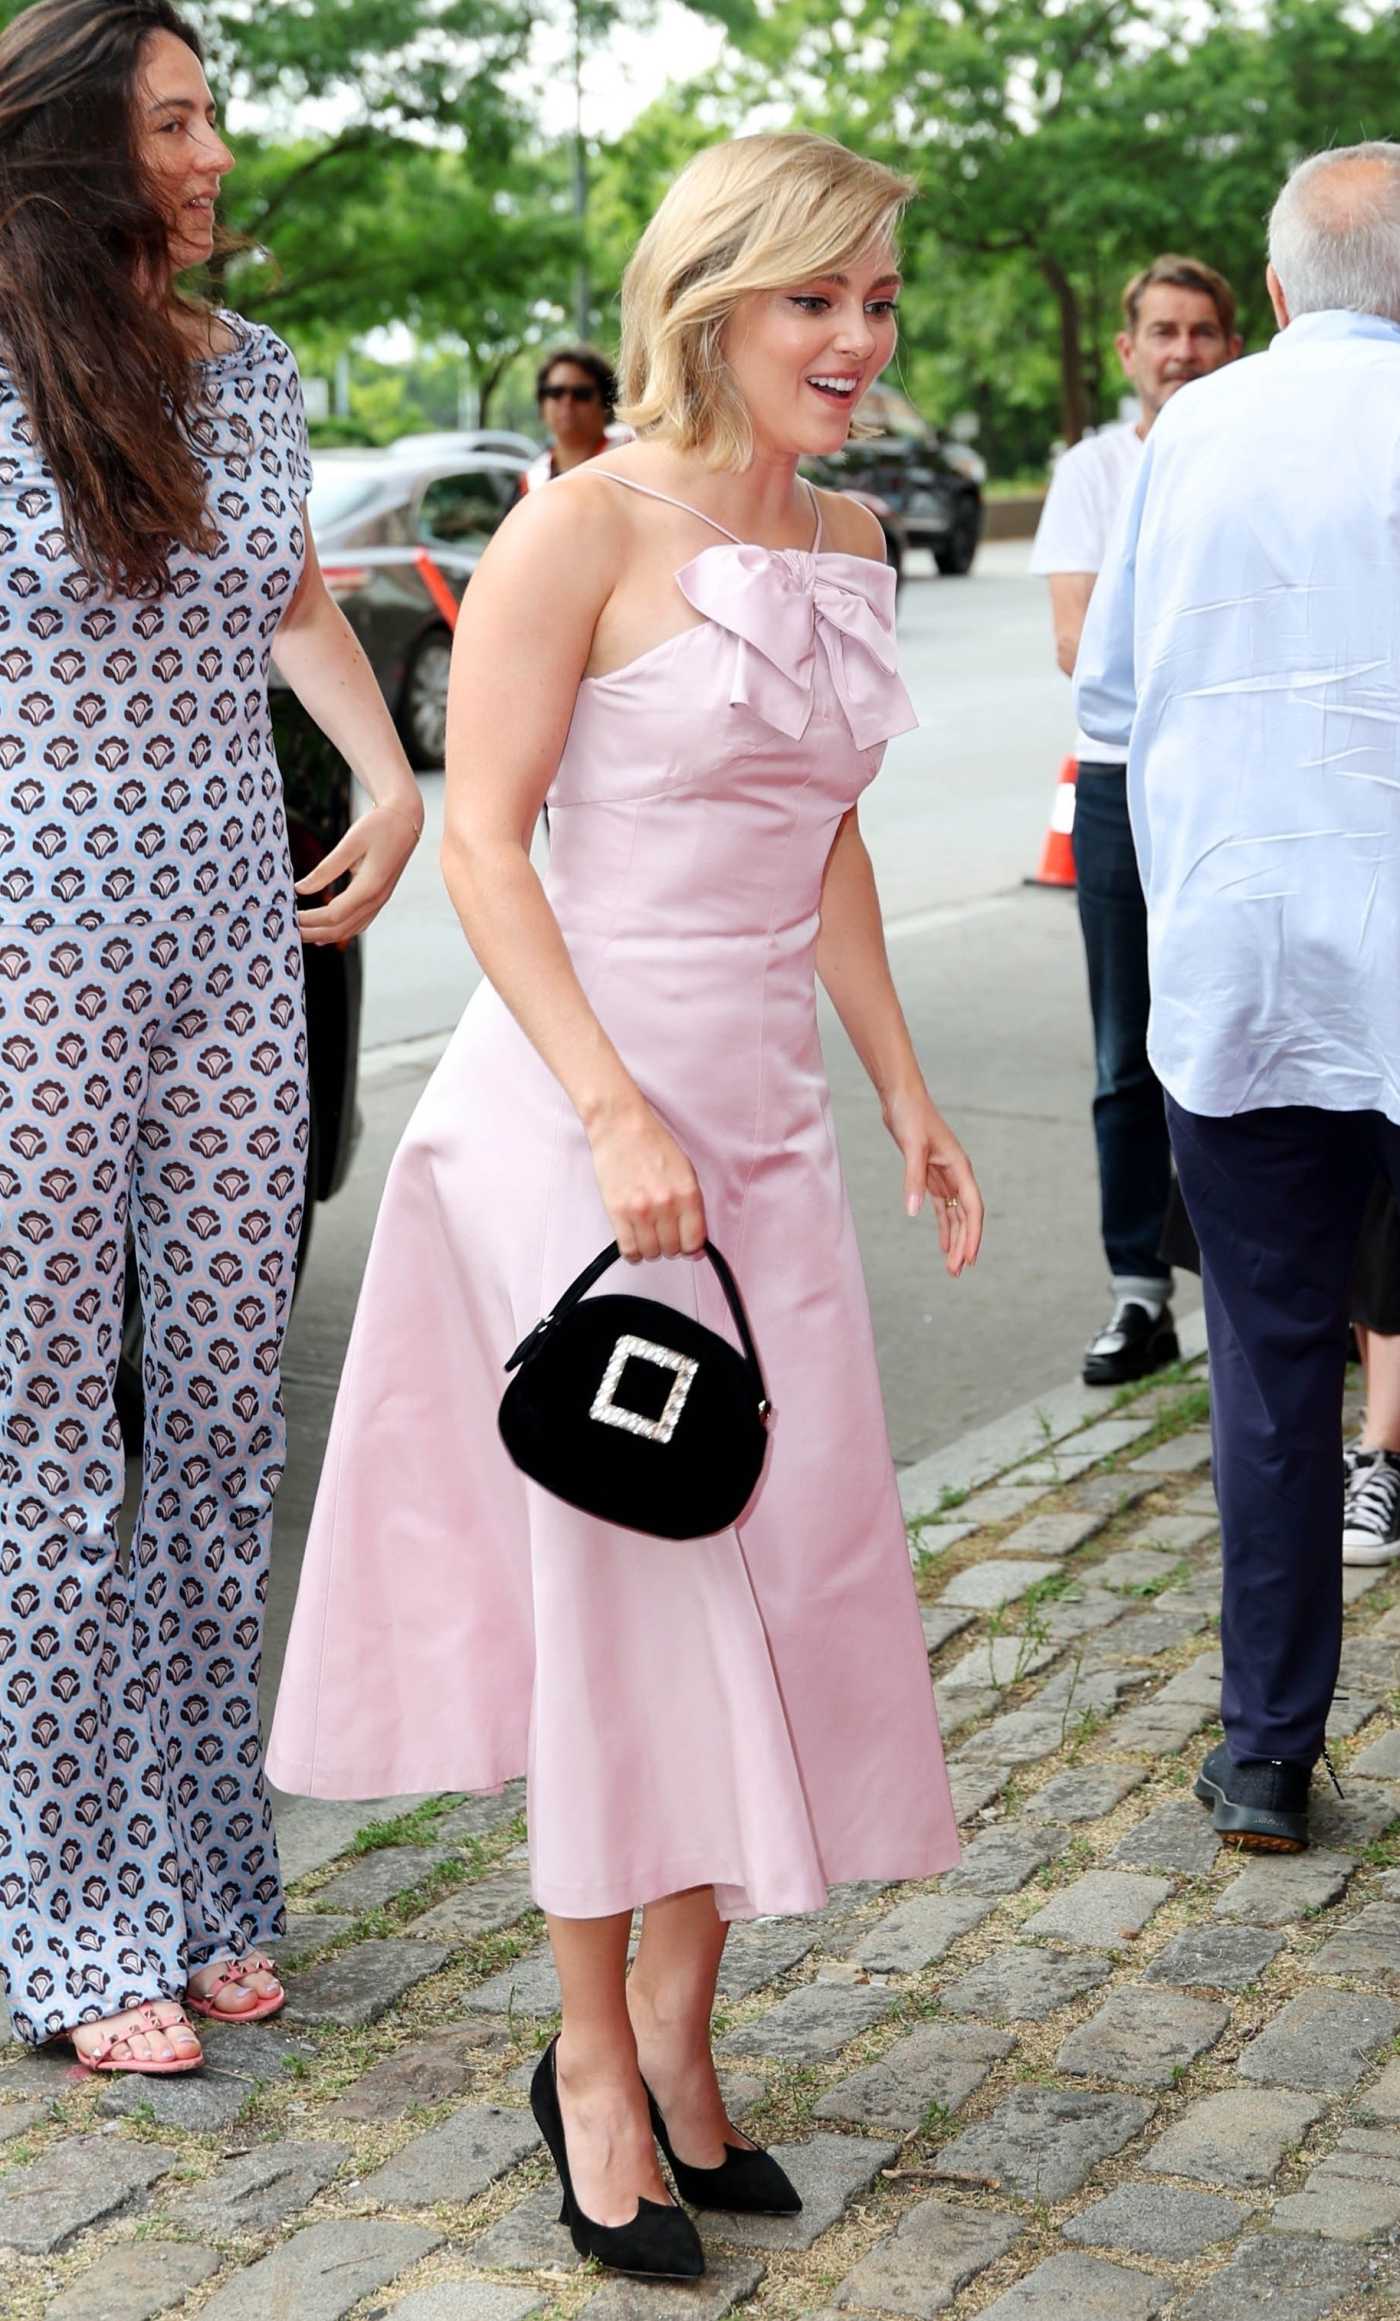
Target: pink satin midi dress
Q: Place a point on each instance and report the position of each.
(750, 1711)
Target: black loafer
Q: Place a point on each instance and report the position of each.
(1132, 1344)
(1260, 1805)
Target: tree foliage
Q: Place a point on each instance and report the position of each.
(422, 204)
(1059, 147)
(474, 256)
(390, 161)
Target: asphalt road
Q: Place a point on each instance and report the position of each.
(992, 979)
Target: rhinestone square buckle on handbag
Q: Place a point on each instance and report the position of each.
(611, 1413)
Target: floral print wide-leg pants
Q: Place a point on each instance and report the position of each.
(154, 1071)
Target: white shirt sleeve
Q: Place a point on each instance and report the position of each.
(1105, 680)
(1078, 512)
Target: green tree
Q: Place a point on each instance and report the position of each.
(372, 66)
(1061, 148)
(382, 153)
(631, 175)
(473, 256)
(592, 23)
(980, 338)
(414, 192)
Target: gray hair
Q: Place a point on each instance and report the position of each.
(1334, 236)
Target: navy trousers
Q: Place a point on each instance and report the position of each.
(1277, 1200)
(1130, 1122)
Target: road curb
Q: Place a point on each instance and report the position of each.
(988, 1451)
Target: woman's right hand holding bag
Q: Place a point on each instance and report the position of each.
(649, 1189)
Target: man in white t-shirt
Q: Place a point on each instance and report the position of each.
(1179, 323)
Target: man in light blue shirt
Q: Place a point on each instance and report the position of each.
(1243, 650)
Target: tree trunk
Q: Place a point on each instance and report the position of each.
(1074, 401)
(488, 380)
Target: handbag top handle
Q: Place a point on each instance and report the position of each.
(599, 1266)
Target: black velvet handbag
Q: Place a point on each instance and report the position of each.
(637, 1413)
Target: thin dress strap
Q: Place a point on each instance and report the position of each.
(630, 484)
(649, 491)
(816, 547)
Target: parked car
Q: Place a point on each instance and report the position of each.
(930, 486)
(451, 440)
(399, 534)
(318, 790)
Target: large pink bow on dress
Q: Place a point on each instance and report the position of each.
(780, 604)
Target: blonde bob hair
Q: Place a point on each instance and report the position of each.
(750, 215)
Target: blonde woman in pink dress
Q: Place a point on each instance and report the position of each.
(688, 655)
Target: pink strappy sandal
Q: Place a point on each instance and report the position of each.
(234, 1970)
(104, 2057)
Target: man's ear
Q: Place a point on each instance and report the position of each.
(1124, 344)
(1276, 298)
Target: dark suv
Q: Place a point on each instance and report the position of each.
(317, 786)
(937, 504)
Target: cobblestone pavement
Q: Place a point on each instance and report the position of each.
(1104, 2069)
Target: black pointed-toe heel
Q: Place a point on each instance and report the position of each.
(660, 2243)
(748, 2180)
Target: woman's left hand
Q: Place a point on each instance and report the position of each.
(935, 1163)
(372, 855)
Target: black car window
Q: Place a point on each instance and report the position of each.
(462, 511)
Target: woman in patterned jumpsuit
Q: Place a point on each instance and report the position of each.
(153, 553)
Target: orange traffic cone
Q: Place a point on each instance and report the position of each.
(1057, 854)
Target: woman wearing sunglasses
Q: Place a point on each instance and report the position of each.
(576, 392)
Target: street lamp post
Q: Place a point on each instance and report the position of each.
(582, 291)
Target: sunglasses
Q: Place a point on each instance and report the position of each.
(569, 394)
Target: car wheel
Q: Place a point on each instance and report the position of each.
(954, 555)
(128, 1391)
(423, 716)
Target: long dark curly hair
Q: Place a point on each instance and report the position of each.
(100, 364)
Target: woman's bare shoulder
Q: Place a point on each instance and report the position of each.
(571, 526)
(850, 527)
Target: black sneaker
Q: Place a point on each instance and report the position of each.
(1371, 1521)
(1132, 1343)
(1260, 1805)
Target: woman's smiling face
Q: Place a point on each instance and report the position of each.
(803, 356)
(184, 158)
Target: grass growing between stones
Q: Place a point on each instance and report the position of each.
(405, 1829)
